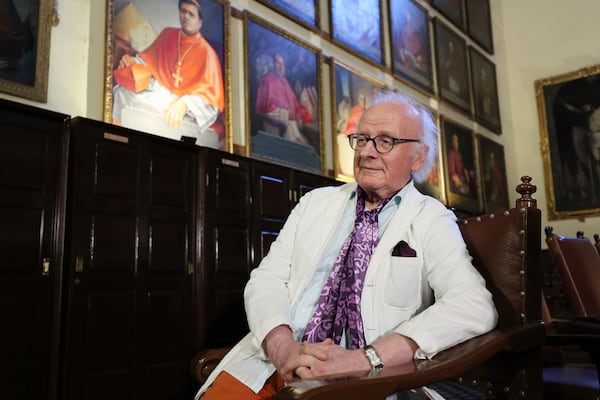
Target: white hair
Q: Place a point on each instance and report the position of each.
(429, 131)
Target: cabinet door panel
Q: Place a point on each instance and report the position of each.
(131, 256)
(32, 194)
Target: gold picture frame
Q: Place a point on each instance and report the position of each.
(24, 72)
(142, 21)
(569, 120)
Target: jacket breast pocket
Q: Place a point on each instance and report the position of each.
(403, 286)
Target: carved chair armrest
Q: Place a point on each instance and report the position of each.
(204, 362)
(445, 365)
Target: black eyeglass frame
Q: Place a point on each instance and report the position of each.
(353, 136)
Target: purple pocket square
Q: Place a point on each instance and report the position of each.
(402, 249)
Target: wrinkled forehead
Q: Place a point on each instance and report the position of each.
(393, 118)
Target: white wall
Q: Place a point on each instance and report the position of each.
(538, 39)
(534, 39)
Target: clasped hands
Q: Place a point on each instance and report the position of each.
(310, 360)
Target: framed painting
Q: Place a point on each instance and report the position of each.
(485, 91)
(453, 10)
(25, 49)
(451, 67)
(460, 167)
(569, 118)
(493, 175)
(352, 92)
(305, 12)
(168, 69)
(479, 23)
(283, 92)
(410, 41)
(362, 36)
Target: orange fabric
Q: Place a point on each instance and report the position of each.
(200, 69)
(226, 387)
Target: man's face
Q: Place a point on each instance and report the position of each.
(189, 18)
(279, 65)
(385, 174)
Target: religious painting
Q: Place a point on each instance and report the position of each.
(283, 92)
(453, 10)
(363, 36)
(479, 23)
(493, 175)
(305, 12)
(25, 47)
(569, 117)
(434, 184)
(168, 69)
(460, 167)
(485, 91)
(410, 40)
(451, 67)
(352, 94)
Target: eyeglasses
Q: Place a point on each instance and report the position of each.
(382, 143)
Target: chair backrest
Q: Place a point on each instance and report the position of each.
(597, 242)
(506, 249)
(578, 264)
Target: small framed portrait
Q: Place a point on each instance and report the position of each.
(362, 36)
(493, 175)
(485, 91)
(451, 67)
(352, 94)
(25, 44)
(479, 23)
(167, 69)
(460, 167)
(305, 12)
(569, 117)
(283, 89)
(410, 41)
(454, 10)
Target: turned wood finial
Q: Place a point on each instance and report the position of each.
(526, 189)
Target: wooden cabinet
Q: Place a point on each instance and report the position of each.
(276, 191)
(33, 148)
(159, 239)
(226, 208)
(131, 257)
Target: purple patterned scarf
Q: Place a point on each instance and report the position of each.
(338, 307)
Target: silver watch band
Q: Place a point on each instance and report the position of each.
(373, 357)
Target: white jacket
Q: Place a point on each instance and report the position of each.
(436, 298)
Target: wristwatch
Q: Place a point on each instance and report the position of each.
(373, 357)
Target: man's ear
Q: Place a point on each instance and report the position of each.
(420, 157)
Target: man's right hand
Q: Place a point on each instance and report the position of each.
(126, 61)
(287, 355)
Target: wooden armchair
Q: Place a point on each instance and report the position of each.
(506, 362)
(578, 264)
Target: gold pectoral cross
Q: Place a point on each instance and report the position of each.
(177, 76)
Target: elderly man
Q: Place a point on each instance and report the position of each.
(362, 276)
(186, 72)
